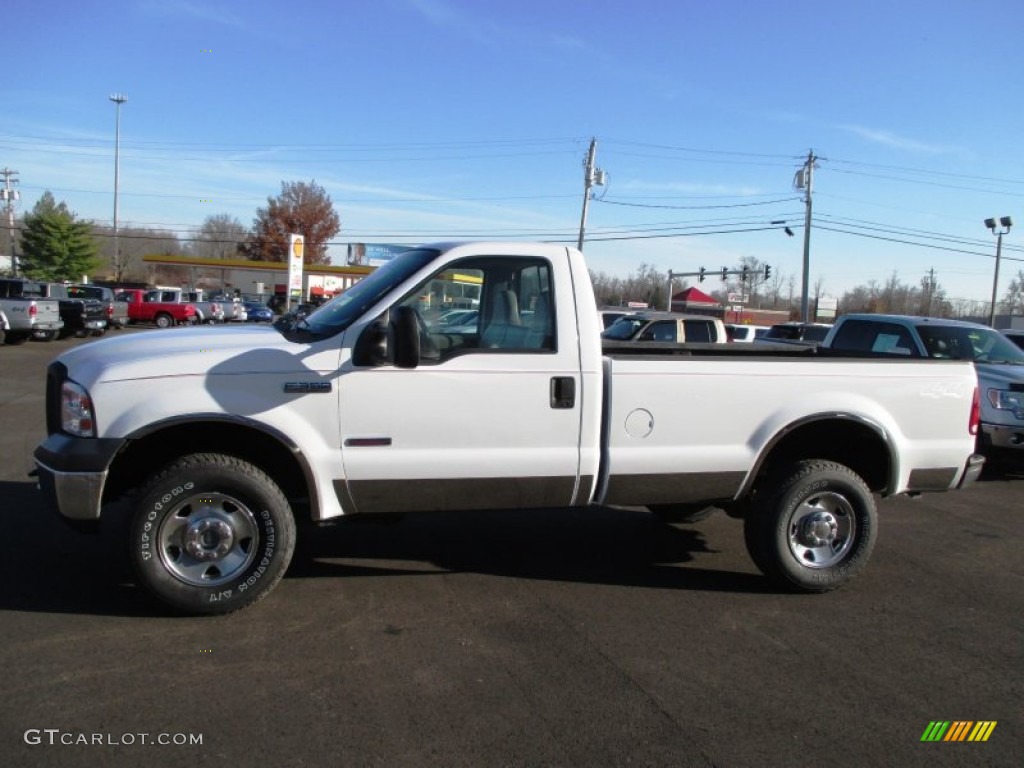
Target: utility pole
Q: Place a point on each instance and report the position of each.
(804, 180)
(9, 196)
(591, 177)
(931, 290)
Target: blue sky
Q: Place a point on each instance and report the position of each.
(433, 119)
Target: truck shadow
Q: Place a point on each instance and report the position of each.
(591, 545)
(1002, 470)
(46, 567)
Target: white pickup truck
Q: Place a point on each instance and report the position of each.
(361, 409)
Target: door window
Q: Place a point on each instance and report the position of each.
(507, 306)
(699, 330)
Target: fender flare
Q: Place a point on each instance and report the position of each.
(873, 426)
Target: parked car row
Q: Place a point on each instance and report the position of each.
(29, 310)
(628, 325)
(46, 311)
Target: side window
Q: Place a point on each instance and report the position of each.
(893, 340)
(485, 305)
(662, 330)
(698, 330)
(866, 336)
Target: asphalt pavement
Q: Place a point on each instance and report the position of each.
(545, 638)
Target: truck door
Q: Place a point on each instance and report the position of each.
(490, 418)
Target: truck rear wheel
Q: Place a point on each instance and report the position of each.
(814, 530)
(163, 320)
(211, 534)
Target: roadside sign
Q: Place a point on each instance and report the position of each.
(296, 246)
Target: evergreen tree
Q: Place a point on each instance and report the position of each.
(56, 245)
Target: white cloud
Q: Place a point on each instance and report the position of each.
(889, 139)
(202, 11)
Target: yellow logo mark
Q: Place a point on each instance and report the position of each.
(959, 730)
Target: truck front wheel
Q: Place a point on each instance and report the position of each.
(211, 534)
(814, 530)
(163, 320)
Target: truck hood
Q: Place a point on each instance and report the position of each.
(198, 351)
(1000, 373)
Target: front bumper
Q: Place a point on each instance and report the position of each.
(72, 472)
(1003, 437)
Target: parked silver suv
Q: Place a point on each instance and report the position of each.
(670, 327)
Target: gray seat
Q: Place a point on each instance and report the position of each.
(504, 321)
(539, 333)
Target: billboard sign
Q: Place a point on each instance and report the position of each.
(374, 254)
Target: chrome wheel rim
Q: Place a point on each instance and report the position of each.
(207, 540)
(821, 530)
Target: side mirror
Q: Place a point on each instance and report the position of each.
(371, 348)
(405, 338)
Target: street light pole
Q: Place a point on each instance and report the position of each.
(118, 99)
(998, 229)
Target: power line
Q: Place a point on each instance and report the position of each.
(928, 172)
(942, 237)
(927, 183)
(697, 207)
(911, 242)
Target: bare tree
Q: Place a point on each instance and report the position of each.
(133, 244)
(1013, 299)
(220, 236)
(646, 284)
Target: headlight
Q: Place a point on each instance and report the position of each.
(76, 416)
(1005, 400)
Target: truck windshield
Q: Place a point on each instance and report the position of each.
(625, 328)
(983, 345)
(339, 313)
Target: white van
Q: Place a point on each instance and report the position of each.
(745, 334)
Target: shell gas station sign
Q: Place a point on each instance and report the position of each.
(296, 247)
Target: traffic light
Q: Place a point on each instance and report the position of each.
(767, 271)
(700, 277)
(725, 273)
(744, 273)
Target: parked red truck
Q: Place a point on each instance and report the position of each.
(147, 307)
